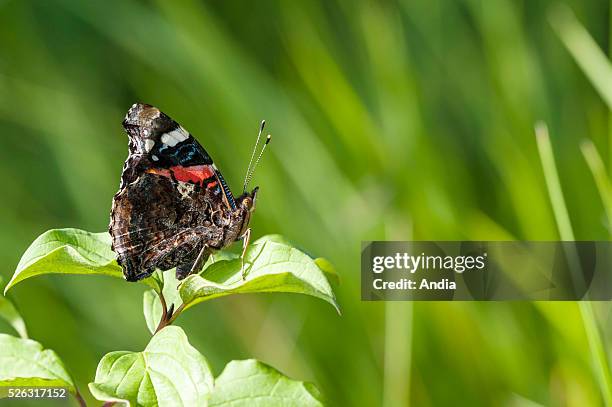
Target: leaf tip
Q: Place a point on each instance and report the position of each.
(337, 307)
(9, 285)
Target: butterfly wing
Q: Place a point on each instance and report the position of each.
(172, 200)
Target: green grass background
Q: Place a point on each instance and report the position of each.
(390, 120)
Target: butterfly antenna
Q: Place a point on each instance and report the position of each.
(261, 127)
(250, 175)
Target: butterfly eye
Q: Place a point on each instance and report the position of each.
(247, 202)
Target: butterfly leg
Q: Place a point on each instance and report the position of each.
(200, 260)
(245, 244)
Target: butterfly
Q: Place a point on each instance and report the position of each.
(173, 208)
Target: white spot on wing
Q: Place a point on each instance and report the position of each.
(172, 138)
(149, 144)
(181, 133)
(154, 157)
(168, 140)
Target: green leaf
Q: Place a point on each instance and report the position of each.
(218, 256)
(274, 238)
(23, 362)
(152, 307)
(250, 383)
(328, 269)
(271, 266)
(322, 263)
(152, 310)
(169, 372)
(69, 251)
(156, 281)
(9, 313)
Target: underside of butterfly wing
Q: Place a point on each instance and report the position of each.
(173, 203)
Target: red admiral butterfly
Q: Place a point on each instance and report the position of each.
(173, 208)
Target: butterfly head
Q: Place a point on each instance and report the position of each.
(247, 200)
(246, 206)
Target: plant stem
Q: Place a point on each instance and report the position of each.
(176, 314)
(169, 315)
(162, 299)
(164, 317)
(80, 399)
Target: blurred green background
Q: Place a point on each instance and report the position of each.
(391, 120)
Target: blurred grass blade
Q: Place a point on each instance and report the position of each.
(587, 54)
(398, 332)
(552, 182)
(598, 351)
(602, 181)
(596, 346)
(398, 349)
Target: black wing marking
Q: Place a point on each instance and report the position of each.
(157, 141)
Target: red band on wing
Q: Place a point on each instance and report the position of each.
(196, 173)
